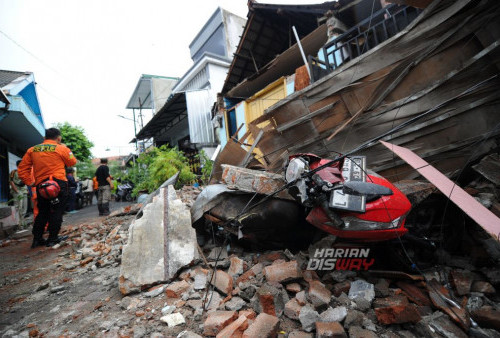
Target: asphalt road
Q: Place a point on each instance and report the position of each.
(90, 212)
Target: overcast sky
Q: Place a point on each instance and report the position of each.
(87, 56)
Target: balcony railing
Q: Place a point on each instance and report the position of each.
(372, 31)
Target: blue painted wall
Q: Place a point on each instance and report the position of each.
(222, 133)
(29, 95)
(290, 88)
(240, 118)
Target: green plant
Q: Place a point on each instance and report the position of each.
(85, 169)
(158, 165)
(74, 137)
(116, 170)
(206, 166)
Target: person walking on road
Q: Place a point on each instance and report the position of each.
(88, 190)
(105, 186)
(48, 161)
(70, 207)
(19, 192)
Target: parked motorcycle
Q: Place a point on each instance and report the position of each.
(346, 200)
(124, 192)
(338, 197)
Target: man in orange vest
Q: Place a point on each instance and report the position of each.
(48, 161)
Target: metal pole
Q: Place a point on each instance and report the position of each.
(135, 133)
(301, 50)
(140, 115)
(140, 112)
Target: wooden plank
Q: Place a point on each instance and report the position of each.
(304, 118)
(246, 160)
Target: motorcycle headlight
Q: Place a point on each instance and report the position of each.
(356, 224)
(295, 169)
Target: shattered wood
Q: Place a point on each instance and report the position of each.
(398, 80)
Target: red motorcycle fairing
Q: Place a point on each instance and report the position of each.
(385, 214)
(381, 211)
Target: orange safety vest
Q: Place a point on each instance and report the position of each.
(46, 159)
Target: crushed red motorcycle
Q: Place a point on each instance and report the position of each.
(339, 197)
(346, 200)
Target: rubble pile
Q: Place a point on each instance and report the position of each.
(486, 187)
(95, 245)
(263, 295)
(154, 280)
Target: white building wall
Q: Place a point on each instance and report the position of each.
(217, 75)
(233, 28)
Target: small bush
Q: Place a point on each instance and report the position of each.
(155, 167)
(206, 166)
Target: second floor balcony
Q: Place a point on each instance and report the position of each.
(366, 35)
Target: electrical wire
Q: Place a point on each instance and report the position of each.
(30, 53)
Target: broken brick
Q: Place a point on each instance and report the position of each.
(271, 257)
(436, 293)
(332, 329)
(282, 272)
(252, 272)
(127, 287)
(86, 261)
(292, 309)
(414, 293)
(398, 314)
(310, 275)
(318, 294)
(175, 290)
(301, 297)
(218, 320)
(249, 313)
(264, 326)
(462, 281)
(271, 300)
(222, 282)
(235, 329)
(34, 333)
(237, 266)
(341, 287)
(396, 300)
(483, 287)
(293, 287)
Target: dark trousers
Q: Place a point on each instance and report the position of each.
(71, 199)
(50, 212)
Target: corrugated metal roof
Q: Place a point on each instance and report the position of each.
(141, 97)
(173, 108)
(267, 34)
(7, 76)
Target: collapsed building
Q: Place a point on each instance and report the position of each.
(437, 65)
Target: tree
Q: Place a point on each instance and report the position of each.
(85, 169)
(75, 139)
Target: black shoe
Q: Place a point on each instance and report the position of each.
(52, 242)
(38, 242)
